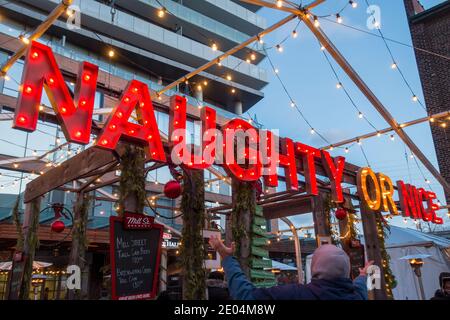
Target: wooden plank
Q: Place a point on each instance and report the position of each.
(91, 159)
(321, 223)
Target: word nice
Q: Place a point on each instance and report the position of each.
(376, 192)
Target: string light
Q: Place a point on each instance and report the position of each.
(394, 65)
(292, 104)
(443, 124)
(354, 4)
(229, 77)
(260, 40)
(316, 22)
(338, 85)
(279, 48)
(253, 57)
(312, 131)
(24, 39)
(294, 34)
(392, 137)
(214, 46)
(161, 13)
(111, 53)
(360, 115)
(322, 47)
(414, 98)
(279, 3)
(339, 18)
(346, 150)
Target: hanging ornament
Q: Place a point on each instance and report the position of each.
(340, 213)
(58, 226)
(172, 189)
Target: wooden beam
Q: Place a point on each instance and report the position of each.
(226, 54)
(37, 33)
(91, 159)
(320, 216)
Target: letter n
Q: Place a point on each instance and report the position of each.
(74, 115)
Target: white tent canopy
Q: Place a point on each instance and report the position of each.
(408, 242)
(6, 266)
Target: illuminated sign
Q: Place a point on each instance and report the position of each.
(257, 154)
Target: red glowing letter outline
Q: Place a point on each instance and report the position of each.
(41, 71)
(135, 97)
(308, 154)
(177, 135)
(286, 159)
(335, 170)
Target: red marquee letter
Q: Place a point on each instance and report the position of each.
(251, 172)
(286, 160)
(335, 170)
(41, 71)
(177, 134)
(135, 97)
(308, 155)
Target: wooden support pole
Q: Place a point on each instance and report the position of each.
(226, 54)
(192, 253)
(359, 82)
(37, 33)
(22, 268)
(244, 207)
(320, 216)
(79, 245)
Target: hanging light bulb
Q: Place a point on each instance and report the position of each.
(214, 46)
(260, 40)
(338, 85)
(276, 70)
(392, 137)
(346, 150)
(294, 34)
(312, 131)
(34, 153)
(233, 90)
(24, 39)
(427, 181)
(331, 148)
(360, 115)
(378, 134)
(359, 141)
(253, 57)
(292, 104)
(279, 48)
(414, 98)
(229, 77)
(394, 65)
(279, 3)
(111, 53)
(161, 12)
(322, 47)
(338, 18)
(443, 125)
(354, 4)
(316, 22)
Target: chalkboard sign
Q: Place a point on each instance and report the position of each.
(135, 257)
(357, 259)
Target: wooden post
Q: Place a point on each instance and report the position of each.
(373, 251)
(244, 206)
(192, 251)
(22, 269)
(78, 249)
(320, 217)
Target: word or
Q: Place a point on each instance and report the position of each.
(377, 193)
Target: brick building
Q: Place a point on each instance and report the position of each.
(430, 30)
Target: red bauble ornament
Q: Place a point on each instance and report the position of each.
(58, 226)
(172, 189)
(340, 213)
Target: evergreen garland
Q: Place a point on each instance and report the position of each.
(80, 241)
(192, 249)
(382, 231)
(241, 220)
(33, 243)
(132, 178)
(18, 224)
(329, 204)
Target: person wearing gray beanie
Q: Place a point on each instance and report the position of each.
(330, 271)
